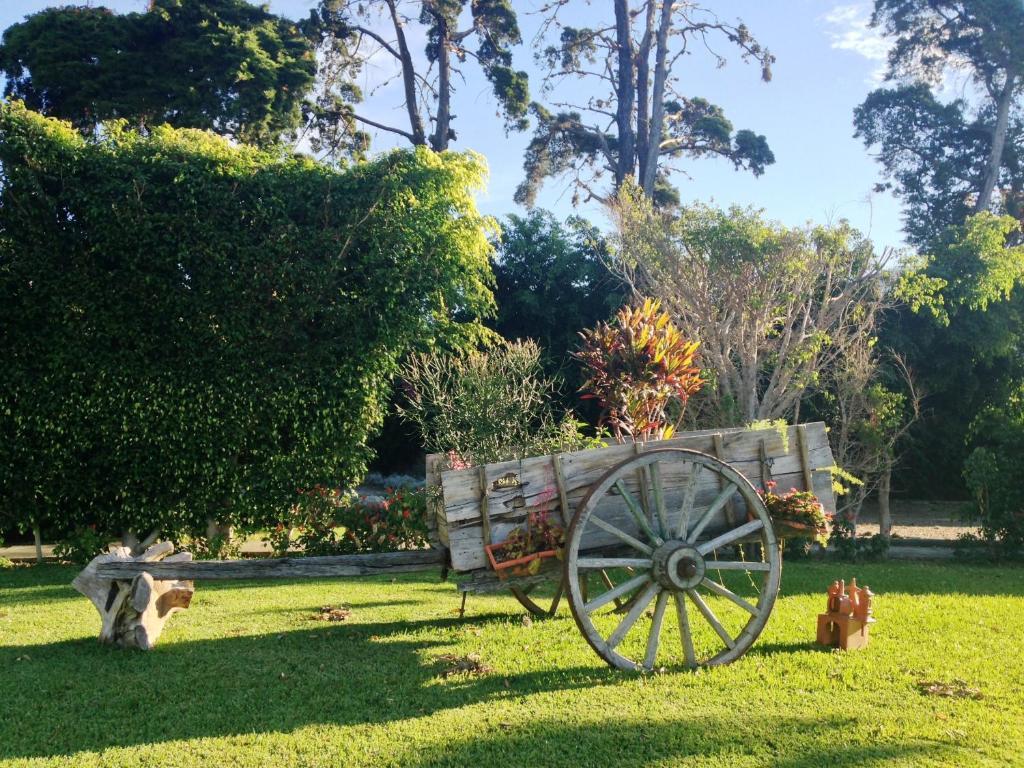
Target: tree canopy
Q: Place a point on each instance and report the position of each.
(355, 34)
(637, 124)
(225, 65)
(948, 159)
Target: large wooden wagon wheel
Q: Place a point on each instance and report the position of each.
(540, 606)
(681, 539)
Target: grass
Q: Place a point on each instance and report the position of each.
(247, 677)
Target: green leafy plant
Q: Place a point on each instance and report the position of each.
(327, 521)
(641, 371)
(844, 542)
(81, 545)
(797, 514)
(993, 472)
(190, 328)
(486, 406)
(397, 522)
(536, 538)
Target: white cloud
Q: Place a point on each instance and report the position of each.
(849, 30)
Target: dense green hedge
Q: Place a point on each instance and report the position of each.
(194, 330)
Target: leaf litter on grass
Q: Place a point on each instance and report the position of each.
(955, 689)
(470, 664)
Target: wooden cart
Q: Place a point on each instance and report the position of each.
(663, 538)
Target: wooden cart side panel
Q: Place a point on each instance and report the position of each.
(437, 528)
(508, 503)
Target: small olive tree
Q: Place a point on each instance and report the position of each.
(486, 406)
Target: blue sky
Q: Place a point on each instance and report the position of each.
(828, 60)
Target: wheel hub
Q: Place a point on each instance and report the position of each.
(678, 566)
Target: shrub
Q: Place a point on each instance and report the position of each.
(486, 406)
(845, 544)
(191, 329)
(80, 545)
(327, 521)
(994, 470)
(641, 371)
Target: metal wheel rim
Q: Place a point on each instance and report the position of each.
(650, 590)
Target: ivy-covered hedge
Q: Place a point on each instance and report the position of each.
(192, 330)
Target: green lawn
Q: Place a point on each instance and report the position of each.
(246, 677)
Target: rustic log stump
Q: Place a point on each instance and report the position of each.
(134, 612)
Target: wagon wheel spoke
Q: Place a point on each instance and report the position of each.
(613, 595)
(600, 563)
(652, 637)
(720, 501)
(739, 565)
(659, 501)
(730, 536)
(711, 619)
(638, 513)
(689, 494)
(723, 591)
(621, 535)
(630, 618)
(535, 604)
(684, 630)
(611, 585)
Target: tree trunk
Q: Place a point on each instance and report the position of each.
(624, 93)
(995, 155)
(419, 136)
(650, 173)
(643, 83)
(37, 536)
(884, 513)
(439, 141)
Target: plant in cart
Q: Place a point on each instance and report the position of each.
(796, 514)
(523, 551)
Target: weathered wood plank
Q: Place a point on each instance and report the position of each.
(539, 486)
(277, 568)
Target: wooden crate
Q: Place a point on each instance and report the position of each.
(796, 457)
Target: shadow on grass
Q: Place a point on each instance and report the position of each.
(76, 696)
(787, 742)
(60, 699)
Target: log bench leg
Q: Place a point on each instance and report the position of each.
(133, 613)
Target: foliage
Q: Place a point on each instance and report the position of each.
(772, 307)
(947, 159)
(844, 542)
(6, 564)
(481, 407)
(192, 329)
(636, 125)
(357, 35)
(552, 281)
(800, 507)
(399, 521)
(81, 545)
(961, 334)
(225, 65)
(537, 534)
(641, 371)
(326, 521)
(993, 471)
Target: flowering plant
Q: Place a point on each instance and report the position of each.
(327, 521)
(798, 513)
